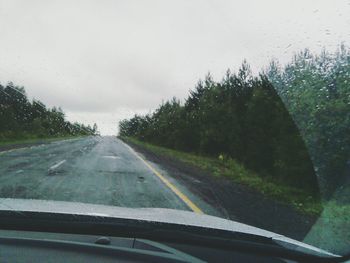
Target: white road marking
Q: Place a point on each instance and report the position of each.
(53, 167)
(66, 140)
(37, 146)
(98, 214)
(111, 157)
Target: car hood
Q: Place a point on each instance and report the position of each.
(159, 215)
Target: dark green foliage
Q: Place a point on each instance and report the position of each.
(316, 91)
(20, 118)
(241, 117)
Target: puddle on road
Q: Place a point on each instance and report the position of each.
(141, 179)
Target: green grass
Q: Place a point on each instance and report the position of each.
(330, 231)
(230, 168)
(34, 140)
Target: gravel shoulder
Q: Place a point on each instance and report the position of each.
(235, 201)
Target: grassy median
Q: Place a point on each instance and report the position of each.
(229, 168)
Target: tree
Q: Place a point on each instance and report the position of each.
(95, 129)
(241, 117)
(20, 118)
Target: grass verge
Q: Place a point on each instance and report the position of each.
(230, 168)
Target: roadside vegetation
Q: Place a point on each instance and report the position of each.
(315, 89)
(24, 121)
(289, 127)
(231, 169)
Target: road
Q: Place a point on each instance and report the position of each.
(98, 170)
(104, 170)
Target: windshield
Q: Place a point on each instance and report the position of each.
(236, 109)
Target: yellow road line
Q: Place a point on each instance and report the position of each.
(181, 195)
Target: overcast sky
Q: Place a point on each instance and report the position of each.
(102, 61)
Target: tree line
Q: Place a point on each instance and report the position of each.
(316, 90)
(281, 124)
(21, 118)
(241, 117)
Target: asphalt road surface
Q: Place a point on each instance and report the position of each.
(104, 170)
(99, 170)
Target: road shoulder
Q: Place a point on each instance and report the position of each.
(234, 201)
(29, 143)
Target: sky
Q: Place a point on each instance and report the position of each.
(103, 60)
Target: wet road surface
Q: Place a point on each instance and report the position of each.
(99, 170)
